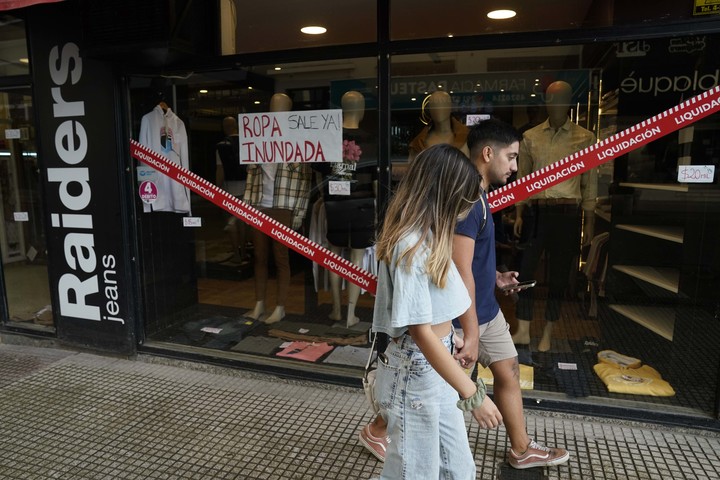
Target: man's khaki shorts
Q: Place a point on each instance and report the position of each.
(495, 341)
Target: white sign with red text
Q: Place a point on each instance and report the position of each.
(291, 137)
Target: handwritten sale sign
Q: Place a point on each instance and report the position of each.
(291, 137)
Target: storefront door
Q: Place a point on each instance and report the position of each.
(22, 234)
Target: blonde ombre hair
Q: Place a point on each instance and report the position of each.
(439, 188)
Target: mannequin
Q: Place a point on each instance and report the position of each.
(551, 219)
(441, 128)
(287, 208)
(231, 176)
(351, 218)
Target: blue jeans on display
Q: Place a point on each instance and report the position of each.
(428, 436)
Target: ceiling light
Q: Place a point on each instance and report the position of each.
(501, 14)
(24, 60)
(450, 35)
(278, 68)
(203, 91)
(257, 102)
(313, 30)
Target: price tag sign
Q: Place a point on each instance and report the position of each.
(192, 222)
(696, 173)
(148, 192)
(12, 133)
(341, 187)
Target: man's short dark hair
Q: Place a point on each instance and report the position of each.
(492, 132)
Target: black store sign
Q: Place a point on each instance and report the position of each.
(88, 267)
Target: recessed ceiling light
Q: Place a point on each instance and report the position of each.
(24, 60)
(257, 102)
(278, 68)
(450, 35)
(249, 88)
(313, 30)
(203, 91)
(501, 14)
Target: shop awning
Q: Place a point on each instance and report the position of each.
(13, 4)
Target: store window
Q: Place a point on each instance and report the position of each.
(223, 288)
(22, 233)
(619, 255)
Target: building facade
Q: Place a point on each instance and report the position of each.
(102, 251)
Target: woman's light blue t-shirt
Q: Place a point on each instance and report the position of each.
(407, 296)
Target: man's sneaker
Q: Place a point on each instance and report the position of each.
(538, 455)
(376, 445)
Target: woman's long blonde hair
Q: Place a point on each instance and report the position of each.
(439, 188)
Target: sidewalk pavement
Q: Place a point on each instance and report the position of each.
(76, 416)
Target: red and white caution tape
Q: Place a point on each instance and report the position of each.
(681, 116)
(621, 143)
(255, 218)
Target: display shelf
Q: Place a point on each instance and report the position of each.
(667, 278)
(664, 232)
(671, 187)
(657, 319)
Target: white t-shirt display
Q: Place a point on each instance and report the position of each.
(268, 184)
(164, 132)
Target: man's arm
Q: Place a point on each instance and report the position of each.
(463, 251)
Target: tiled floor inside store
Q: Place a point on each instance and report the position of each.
(77, 416)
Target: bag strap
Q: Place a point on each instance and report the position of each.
(372, 351)
(484, 219)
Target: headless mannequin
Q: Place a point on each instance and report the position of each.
(442, 129)
(558, 100)
(237, 229)
(353, 108)
(279, 102)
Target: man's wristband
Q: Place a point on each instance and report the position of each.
(470, 404)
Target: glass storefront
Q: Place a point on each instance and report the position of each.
(626, 280)
(202, 284)
(627, 266)
(22, 233)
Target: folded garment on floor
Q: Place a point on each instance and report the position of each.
(643, 380)
(357, 340)
(348, 355)
(611, 357)
(310, 352)
(571, 377)
(527, 376)
(258, 345)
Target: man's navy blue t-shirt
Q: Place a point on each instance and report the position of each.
(483, 263)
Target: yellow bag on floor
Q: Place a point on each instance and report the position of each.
(644, 380)
(527, 376)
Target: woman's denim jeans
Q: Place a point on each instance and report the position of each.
(428, 437)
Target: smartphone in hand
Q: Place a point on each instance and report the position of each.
(520, 286)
